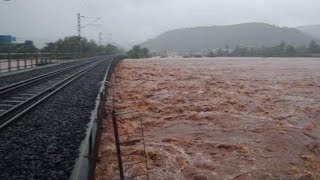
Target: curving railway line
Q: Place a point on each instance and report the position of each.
(19, 98)
(9, 79)
(44, 120)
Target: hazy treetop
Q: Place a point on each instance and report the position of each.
(133, 21)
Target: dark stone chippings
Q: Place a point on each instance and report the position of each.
(44, 143)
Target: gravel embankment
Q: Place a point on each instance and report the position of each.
(44, 143)
(6, 80)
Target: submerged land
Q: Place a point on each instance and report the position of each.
(218, 118)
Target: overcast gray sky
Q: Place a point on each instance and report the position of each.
(133, 21)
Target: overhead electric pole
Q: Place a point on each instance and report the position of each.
(100, 38)
(80, 27)
(79, 32)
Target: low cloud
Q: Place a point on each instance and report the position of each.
(133, 21)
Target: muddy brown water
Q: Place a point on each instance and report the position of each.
(219, 118)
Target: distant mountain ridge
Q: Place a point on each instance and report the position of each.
(313, 30)
(213, 37)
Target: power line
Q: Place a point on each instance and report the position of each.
(81, 27)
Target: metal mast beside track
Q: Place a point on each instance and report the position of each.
(81, 27)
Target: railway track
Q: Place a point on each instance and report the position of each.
(9, 79)
(19, 98)
(44, 138)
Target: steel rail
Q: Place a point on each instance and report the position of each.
(21, 109)
(26, 83)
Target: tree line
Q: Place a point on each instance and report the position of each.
(18, 48)
(138, 52)
(281, 50)
(66, 45)
(71, 45)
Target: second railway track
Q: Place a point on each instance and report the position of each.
(19, 98)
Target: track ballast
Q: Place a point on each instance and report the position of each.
(43, 144)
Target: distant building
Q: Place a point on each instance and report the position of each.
(173, 53)
(9, 44)
(7, 39)
(28, 42)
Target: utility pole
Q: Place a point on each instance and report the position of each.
(100, 38)
(109, 37)
(79, 33)
(80, 27)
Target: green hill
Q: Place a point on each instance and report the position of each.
(312, 30)
(247, 35)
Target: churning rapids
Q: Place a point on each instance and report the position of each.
(219, 118)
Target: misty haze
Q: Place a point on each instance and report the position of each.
(159, 89)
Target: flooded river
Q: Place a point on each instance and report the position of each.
(219, 118)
